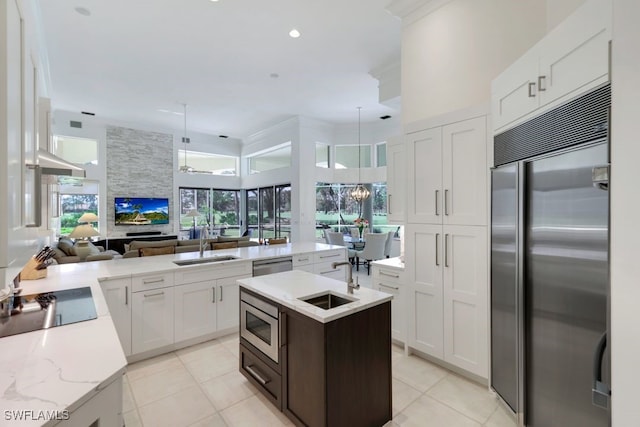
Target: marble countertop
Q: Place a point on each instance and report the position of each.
(394, 263)
(63, 367)
(286, 289)
(59, 368)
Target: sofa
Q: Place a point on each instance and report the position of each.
(173, 246)
(65, 252)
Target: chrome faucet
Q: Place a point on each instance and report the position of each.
(204, 235)
(350, 285)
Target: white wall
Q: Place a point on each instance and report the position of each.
(558, 10)
(625, 206)
(450, 56)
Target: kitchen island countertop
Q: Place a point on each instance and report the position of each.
(287, 288)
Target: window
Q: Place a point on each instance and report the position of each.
(77, 197)
(381, 154)
(322, 155)
(269, 211)
(213, 164)
(347, 156)
(336, 210)
(76, 150)
(275, 158)
(219, 211)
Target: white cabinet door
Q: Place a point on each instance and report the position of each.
(465, 298)
(117, 293)
(325, 269)
(574, 57)
(515, 92)
(195, 309)
(423, 266)
(424, 160)
(229, 302)
(152, 319)
(396, 182)
(397, 314)
(464, 159)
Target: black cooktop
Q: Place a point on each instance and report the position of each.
(47, 310)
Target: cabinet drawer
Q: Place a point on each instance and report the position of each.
(308, 268)
(268, 381)
(302, 259)
(212, 272)
(330, 256)
(325, 269)
(151, 281)
(388, 275)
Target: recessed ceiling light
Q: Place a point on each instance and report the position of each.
(83, 11)
(274, 75)
(294, 33)
(214, 1)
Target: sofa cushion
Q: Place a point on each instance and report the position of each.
(165, 250)
(233, 239)
(137, 244)
(93, 249)
(66, 246)
(99, 257)
(245, 244)
(224, 245)
(131, 254)
(68, 259)
(58, 253)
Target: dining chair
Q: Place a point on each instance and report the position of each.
(336, 238)
(388, 243)
(373, 249)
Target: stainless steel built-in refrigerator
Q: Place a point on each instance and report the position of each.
(550, 266)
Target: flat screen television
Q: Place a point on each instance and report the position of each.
(141, 211)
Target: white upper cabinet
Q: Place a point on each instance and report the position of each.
(447, 182)
(572, 59)
(424, 155)
(464, 159)
(396, 181)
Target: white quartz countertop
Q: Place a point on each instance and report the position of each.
(62, 367)
(287, 288)
(394, 263)
(59, 368)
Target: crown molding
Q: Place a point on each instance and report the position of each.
(411, 11)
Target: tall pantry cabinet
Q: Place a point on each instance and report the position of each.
(446, 247)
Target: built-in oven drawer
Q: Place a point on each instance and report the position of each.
(259, 324)
(268, 381)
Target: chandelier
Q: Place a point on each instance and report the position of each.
(360, 192)
(185, 140)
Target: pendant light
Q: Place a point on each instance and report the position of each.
(185, 140)
(360, 192)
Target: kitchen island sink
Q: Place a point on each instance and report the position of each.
(327, 301)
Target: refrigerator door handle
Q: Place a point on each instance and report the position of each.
(600, 393)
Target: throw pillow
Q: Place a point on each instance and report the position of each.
(66, 246)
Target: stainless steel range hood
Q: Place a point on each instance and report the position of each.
(53, 165)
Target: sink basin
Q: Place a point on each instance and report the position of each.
(327, 301)
(205, 260)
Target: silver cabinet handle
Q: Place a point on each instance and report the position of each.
(389, 287)
(446, 250)
(213, 290)
(600, 392)
(532, 87)
(541, 80)
(303, 259)
(255, 375)
(330, 256)
(329, 272)
(437, 193)
(221, 288)
(437, 236)
(446, 202)
(395, 276)
(37, 194)
(126, 295)
(153, 295)
(148, 282)
(388, 203)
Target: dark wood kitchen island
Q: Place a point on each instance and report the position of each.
(333, 365)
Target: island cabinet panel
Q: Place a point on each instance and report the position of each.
(259, 371)
(338, 373)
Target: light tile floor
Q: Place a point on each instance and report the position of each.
(201, 386)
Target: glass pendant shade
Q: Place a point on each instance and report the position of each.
(360, 193)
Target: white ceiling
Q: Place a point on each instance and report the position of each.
(131, 58)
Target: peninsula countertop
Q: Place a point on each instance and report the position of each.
(287, 288)
(63, 367)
